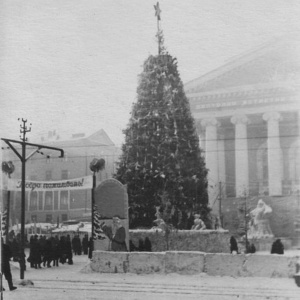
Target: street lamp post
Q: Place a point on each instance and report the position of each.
(23, 160)
(95, 166)
(93, 206)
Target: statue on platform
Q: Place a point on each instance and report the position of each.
(198, 223)
(159, 222)
(157, 214)
(259, 226)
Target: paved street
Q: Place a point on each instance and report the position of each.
(67, 282)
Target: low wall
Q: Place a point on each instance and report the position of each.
(210, 241)
(190, 263)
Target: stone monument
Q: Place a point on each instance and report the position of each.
(111, 199)
(259, 230)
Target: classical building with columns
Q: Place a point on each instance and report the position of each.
(248, 114)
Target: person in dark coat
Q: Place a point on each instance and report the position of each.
(132, 246)
(36, 258)
(85, 244)
(42, 246)
(68, 249)
(116, 234)
(91, 247)
(48, 253)
(15, 249)
(56, 251)
(147, 245)
(76, 244)
(63, 250)
(141, 246)
(6, 256)
(31, 249)
(277, 247)
(73, 243)
(233, 245)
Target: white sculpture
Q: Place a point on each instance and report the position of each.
(259, 226)
(198, 223)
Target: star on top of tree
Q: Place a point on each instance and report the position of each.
(157, 11)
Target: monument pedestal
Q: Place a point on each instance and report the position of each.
(262, 244)
(296, 240)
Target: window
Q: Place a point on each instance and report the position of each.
(48, 175)
(64, 174)
(64, 217)
(63, 200)
(33, 201)
(48, 201)
(48, 218)
(41, 200)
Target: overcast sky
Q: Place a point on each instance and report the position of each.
(72, 65)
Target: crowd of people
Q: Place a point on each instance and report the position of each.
(51, 251)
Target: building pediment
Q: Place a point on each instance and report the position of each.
(273, 63)
(101, 137)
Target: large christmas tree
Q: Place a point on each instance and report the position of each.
(161, 161)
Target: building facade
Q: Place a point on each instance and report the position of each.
(45, 165)
(248, 119)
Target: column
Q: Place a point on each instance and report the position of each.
(69, 199)
(44, 195)
(53, 200)
(211, 158)
(241, 155)
(58, 200)
(201, 135)
(221, 163)
(274, 159)
(29, 200)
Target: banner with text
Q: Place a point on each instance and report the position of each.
(38, 186)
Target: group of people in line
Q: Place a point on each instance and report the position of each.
(43, 251)
(55, 250)
(46, 251)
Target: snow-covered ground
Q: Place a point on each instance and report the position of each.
(68, 282)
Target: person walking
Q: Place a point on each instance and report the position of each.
(6, 256)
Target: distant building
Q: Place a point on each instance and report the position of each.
(248, 120)
(54, 206)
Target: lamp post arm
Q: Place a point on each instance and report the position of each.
(8, 142)
(12, 147)
(32, 153)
